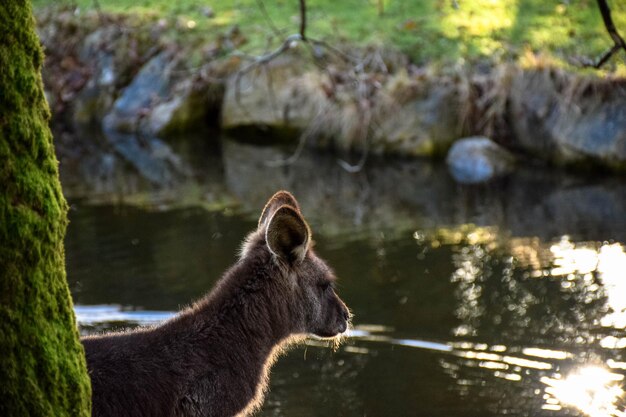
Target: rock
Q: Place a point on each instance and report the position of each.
(163, 100)
(569, 120)
(278, 96)
(163, 116)
(190, 106)
(286, 99)
(104, 51)
(151, 84)
(478, 159)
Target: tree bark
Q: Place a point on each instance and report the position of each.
(42, 363)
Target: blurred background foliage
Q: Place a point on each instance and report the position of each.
(447, 31)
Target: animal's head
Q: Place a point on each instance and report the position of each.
(303, 281)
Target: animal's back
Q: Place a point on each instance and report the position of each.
(128, 376)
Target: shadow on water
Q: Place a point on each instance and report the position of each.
(468, 301)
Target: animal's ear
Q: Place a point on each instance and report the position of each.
(287, 235)
(281, 198)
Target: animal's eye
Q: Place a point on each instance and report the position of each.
(325, 285)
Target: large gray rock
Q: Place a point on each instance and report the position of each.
(191, 103)
(478, 159)
(279, 96)
(163, 99)
(104, 52)
(570, 120)
(286, 96)
(150, 85)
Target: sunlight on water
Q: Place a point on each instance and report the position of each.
(611, 267)
(546, 353)
(609, 262)
(593, 390)
(569, 259)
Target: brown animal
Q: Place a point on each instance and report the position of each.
(213, 359)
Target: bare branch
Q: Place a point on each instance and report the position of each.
(601, 60)
(303, 19)
(610, 26)
(619, 42)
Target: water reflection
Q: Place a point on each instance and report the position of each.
(593, 390)
(585, 278)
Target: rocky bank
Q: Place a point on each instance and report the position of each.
(145, 90)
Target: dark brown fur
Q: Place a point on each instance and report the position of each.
(213, 359)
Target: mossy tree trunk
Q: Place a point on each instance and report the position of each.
(42, 364)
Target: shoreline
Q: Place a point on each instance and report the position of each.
(123, 77)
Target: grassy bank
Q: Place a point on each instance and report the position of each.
(450, 31)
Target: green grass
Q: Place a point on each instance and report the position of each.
(425, 30)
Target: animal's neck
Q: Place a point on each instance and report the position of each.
(245, 307)
(241, 318)
(239, 327)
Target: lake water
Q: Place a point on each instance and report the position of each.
(507, 299)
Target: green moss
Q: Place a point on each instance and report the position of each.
(42, 365)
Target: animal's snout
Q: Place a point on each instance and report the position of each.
(343, 326)
(344, 314)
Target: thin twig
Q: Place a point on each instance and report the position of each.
(337, 51)
(264, 59)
